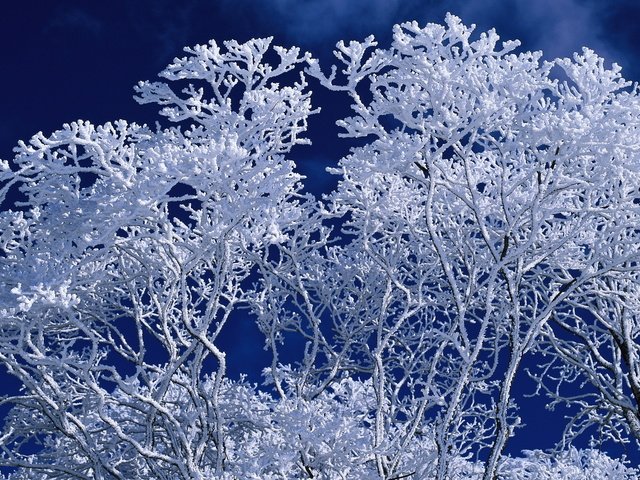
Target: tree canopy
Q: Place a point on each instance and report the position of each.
(489, 215)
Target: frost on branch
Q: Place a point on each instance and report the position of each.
(126, 259)
(490, 214)
(492, 204)
(239, 93)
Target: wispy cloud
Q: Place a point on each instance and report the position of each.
(77, 19)
(557, 27)
(312, 22)
(165, 24)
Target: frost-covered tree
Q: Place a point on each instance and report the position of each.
(491, 213)
(491, 199)
(127, 257)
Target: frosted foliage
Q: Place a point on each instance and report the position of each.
(287, 439)
(570, 465)
(489, 219)
(496, 202)
(125, 260)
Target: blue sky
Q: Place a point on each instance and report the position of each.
(65, 60)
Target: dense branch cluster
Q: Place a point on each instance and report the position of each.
(490, 216)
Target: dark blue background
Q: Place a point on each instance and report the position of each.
(63, 60)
